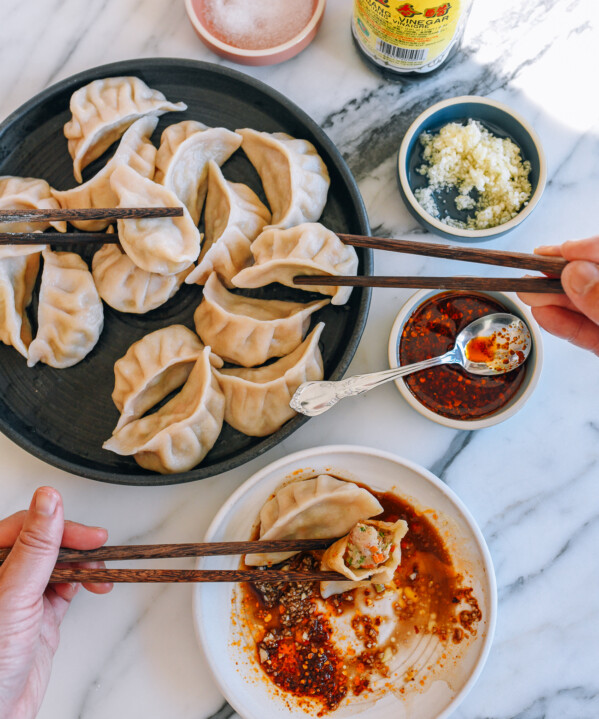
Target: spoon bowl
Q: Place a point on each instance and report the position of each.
(494, 344)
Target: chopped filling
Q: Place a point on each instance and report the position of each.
(367, 547)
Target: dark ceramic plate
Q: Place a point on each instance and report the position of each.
(63, 416)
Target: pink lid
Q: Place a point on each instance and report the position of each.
(262, 32)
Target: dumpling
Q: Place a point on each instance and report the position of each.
(126, 287)
(70, 315)
(258, 399)
(308, 249)
(152, 368)
(103, 110)
(185, 150)
(26, 193)
(165, 245)
(295, 179)
(249, 331)
(19, 266)
(233, 218)
(316, 508)
(180, 434)
(135, 150)
(371, 551)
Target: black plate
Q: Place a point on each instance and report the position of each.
(63, 416)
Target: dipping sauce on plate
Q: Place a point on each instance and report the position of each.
(449, 390)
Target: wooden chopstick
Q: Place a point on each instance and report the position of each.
(95, 213)
(57, 238)
(489, 284)
(191, 575)
(501, 258)
(169, 551)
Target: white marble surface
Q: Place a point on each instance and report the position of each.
(532, 483)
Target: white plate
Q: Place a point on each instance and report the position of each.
(231, 654)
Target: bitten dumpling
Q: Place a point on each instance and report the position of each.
(179, 435)
(70, 315)
(27, 193)
(258, 399)
(185, 150)
(134, 150)
(103, 110)
(165, 245)
(126, 287)
(371, 551)
(249, 331)
(294, 177)
(308, 249)
(317, 508)
(19, 266)
(233, 218)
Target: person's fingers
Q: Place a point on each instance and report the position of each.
(569, 325)
(549, 250)
(587, 249)
(545, 299)
(29, 565)
(10, 528)
(66, 590)
(581, 283)
(79, 536)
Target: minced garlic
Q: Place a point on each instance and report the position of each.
(469, 157)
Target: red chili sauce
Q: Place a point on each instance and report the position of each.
(294, 634)
(449, 390)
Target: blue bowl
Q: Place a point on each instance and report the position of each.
(498, 119)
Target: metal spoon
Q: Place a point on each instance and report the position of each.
(490, 345)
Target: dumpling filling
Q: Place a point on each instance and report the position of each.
(367, 547)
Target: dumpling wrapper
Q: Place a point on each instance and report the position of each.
(134, 150)
(233, 218)
(19, 265)
(257, 400)
(165, 245)
(333, 559)
(308, 249)
(295, 179)
(27, 193)
(248, 331)
(317, 508)
(126, 287)
(101, 112)
(185, 150)
(70, 313)
(181, 433)
(152, 368)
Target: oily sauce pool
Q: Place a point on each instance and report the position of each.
(448, 390)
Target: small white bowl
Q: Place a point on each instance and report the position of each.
(533, 365)
(232, 656)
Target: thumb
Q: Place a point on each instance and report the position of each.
(29, 565)
(581, 283)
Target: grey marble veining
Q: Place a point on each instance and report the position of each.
(532, 483)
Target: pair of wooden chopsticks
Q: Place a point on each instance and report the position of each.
(548, 265)
(501, 258)
(166, 551)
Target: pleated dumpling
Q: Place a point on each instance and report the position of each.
(27, 193)
(165, 245)
(233, 218)
(249, 331)
(180, 434)
(308, 249)
(126, 287)
(135, 150)
(321, 507)
(294, 177)
(103, 110)
(258, 399)
(70, 316)
(369, 554)
(185, 150)
(152, 368)
(19, 266)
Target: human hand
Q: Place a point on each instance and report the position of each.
(573, 316)
(31, 610)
